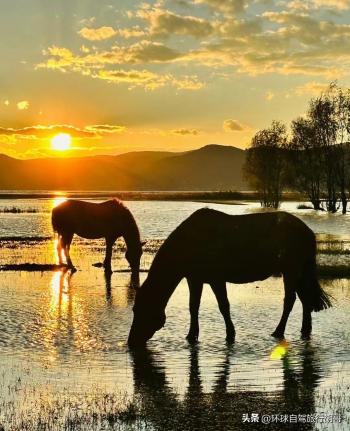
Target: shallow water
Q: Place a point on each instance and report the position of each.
(64, 334)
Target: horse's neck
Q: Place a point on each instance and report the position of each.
(164, 285)
(130, 232)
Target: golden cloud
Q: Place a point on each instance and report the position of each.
(96, 34)
(269, 95)
(23, 105)
(311, 88)
(127, 33)
(339, 5)
(163, 23)
(97, 65)
(105, 129)
(147, 79)
(284, 42)
(184, 132)
(233, 126)
(226, 6)
(40, 131)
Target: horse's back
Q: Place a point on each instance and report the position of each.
(241, 248)
(206, 222)
(87, 219)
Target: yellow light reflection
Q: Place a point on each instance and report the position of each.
(58, 200)
(59, 291)
(280, 350)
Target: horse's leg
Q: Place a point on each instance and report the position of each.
(107, 263)
(289, 299)
(66, 242)
(219, 289)
(59, 249)
(306, 326)
(196, 288)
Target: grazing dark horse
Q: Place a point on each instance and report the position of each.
(109, 220)
(214, 247)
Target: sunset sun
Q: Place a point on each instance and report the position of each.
(61, 142)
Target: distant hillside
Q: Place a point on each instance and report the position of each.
(213, 167)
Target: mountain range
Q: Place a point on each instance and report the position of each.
(212, 167)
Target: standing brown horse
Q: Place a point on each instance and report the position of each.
(214, 247)
(109, 220)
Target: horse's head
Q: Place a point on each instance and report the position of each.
(149, 317)
(133, 255)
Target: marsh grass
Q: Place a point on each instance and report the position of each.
(66, 411)
(333, 247)
(17, 210)
(304, 207)
(98, 410)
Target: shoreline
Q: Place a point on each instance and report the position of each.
(230, 197)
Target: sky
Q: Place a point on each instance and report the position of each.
(169, 75)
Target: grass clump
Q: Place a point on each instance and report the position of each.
(17, 210)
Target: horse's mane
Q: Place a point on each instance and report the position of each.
(119, 205)
(114, 202)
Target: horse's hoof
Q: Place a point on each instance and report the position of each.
(192, 338)
(277, 334)
(305, 335)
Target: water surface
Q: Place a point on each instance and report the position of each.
(63, 336)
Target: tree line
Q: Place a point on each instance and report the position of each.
(313, 159)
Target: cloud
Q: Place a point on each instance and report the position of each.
(163, 23)
(23, 105)
(148, 80)
(98, 65)
(105, 129)
(187, 83)
(133, 78)
(332, 4)
(284, 42)
(128, 33)
(233, 126)
(142, 52)
(104, 33)
(313, 88)
(39, 131)
(339, 5)
(269, 95)
(96, 34)
(184, 132)
(226, 6)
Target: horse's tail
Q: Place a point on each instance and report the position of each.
(310, 290)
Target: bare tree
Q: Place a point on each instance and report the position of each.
(322, 114)
(306, 160)
(341, 100)
(264, 164)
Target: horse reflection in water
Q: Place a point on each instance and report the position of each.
(213, 247)
(221, 408)
(109, 220)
